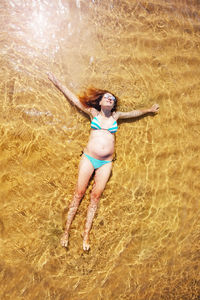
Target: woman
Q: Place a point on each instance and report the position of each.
(97, 156)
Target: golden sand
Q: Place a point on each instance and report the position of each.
(145, 236)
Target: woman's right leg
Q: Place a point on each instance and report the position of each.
(85, 172)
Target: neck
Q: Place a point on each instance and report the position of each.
(105, 112)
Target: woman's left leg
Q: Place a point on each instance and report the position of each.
(101, 178)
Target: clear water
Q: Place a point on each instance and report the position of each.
(145, 237)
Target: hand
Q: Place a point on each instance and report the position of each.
(52, 78)
(154, 109)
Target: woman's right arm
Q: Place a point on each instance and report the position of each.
(70, 96)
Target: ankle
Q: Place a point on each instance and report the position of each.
(86, 236)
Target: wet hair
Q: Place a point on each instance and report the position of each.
(92, 96)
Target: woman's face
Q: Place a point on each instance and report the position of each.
(108, 100)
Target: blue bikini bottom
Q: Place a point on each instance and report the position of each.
(97, 163)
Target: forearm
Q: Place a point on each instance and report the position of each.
(139, 112)
(133, 113)
(66, 92)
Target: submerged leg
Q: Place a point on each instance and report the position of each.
(85, 172)
(101, 178)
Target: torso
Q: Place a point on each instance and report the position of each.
(101, 143)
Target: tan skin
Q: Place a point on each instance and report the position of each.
(100, 146)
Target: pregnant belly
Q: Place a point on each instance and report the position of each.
(100, 148)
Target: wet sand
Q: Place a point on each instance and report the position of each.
(145, 236)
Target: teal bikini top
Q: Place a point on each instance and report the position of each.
(96, 125)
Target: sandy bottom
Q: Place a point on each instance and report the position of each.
(145, 236)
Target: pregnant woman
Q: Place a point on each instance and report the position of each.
(97, 156)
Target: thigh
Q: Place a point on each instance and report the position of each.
(85, 172)
(101, 178)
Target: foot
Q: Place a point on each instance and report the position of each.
(86, 245)
(64, 239)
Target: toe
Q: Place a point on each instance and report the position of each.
(86, 246)
(64, 241)
(64, 244)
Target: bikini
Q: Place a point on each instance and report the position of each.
(97, 163)
(96, 125)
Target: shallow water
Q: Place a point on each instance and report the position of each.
(145, 237)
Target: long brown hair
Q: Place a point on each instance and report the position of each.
(92, 96)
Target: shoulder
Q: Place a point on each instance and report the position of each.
(93, 112)
(116, 115)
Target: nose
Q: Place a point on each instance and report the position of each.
(110, 98)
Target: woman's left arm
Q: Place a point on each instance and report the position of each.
(137, 113)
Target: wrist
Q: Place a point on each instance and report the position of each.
(57, 84)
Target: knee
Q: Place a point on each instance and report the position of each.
(79, 194)
(95, 196)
